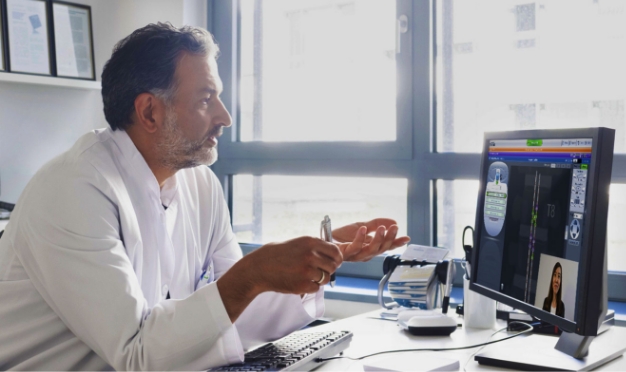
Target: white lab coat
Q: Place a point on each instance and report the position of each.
(90, 255)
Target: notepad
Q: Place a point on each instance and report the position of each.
(415, 361)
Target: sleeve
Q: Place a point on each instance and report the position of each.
(70, 246)
(273, 315)
(270, 315)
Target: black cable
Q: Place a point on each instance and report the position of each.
(319, 360)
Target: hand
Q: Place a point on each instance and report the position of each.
(295, 266)
(357, 245)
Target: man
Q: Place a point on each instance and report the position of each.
(120, 253)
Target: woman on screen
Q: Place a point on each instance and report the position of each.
(553, 303)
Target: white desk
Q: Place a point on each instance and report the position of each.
(374, 335)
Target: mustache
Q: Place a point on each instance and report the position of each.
(217, 132)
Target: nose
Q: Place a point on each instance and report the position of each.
(223, 118)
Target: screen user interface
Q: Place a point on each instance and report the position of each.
(533, 217)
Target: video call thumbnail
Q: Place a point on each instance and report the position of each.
(556, 286)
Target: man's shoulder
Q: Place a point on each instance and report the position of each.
(82, 162)
(94, 145)
(70, 181)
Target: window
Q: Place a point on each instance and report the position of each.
(325, 93)
(321, 98)
(524, 65)
(545, 64)
(456, 208)
(616, 232)
(276, 208)
(318, 70)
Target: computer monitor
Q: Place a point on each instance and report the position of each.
(540, 232)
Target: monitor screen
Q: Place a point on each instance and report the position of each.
(533, 214)
(540, 231)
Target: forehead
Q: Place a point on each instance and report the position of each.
(197, 73)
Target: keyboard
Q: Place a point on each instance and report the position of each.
(298, 351)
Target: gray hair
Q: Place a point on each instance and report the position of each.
(145, 62)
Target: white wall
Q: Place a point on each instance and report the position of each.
(339, 309)
(38, 123)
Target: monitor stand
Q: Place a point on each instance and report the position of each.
(537, 352)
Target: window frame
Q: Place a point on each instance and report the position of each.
(413, 156)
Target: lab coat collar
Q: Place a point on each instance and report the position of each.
(168, 191)
(136, 160)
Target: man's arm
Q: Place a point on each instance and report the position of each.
(292, 267)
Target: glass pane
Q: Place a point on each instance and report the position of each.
(277, 208)
(318, 70)
(456, 208)
(502, 65)
(616, 231)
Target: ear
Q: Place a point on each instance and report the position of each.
(149, 112)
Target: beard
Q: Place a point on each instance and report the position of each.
(178, 152)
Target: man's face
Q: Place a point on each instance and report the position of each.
(195, 119)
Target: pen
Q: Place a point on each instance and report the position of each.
(326, 233)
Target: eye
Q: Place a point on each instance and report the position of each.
(206, 100)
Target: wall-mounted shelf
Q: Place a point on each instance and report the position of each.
(7, 77)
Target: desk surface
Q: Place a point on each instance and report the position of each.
(375, 335)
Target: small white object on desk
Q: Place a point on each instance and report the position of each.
(4, 214)
(478, 311)
(429, 325)
(414, 361)
(3, 224)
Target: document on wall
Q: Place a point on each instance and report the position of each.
(73, 41)
(28, 36)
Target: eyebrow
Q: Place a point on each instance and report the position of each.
(208, 90)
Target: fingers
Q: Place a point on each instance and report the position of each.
(323, 255)
(379, 237)
(377, 222)
(321, 278)
(323, 263)
(361, 237)
(390, 236)
(329, 250)
(399, 242)
(365, 252)
(382, 241)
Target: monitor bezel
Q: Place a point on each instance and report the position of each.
(590, 269)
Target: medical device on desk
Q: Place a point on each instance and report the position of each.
(423, 322)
